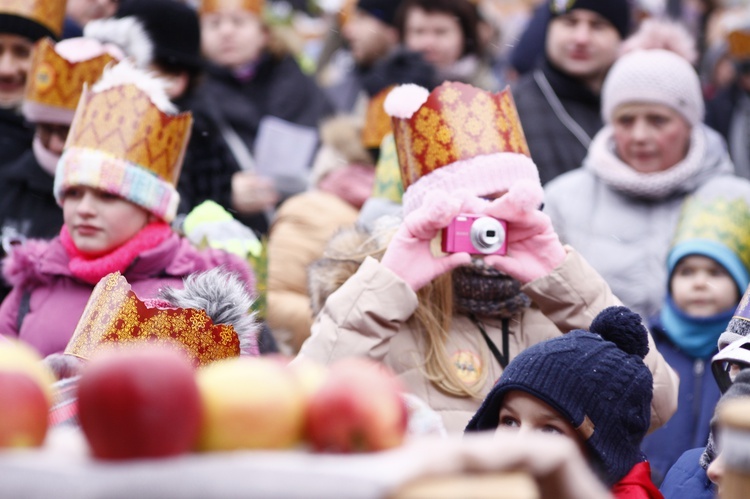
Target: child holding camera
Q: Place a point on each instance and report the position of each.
(449, 325)
(590, 386)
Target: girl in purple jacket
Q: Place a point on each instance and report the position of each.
(116, 185)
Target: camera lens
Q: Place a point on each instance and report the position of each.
(487, 235)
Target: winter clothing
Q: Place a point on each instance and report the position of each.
(740, 388)
(370, 315)
(43, 281)
(382, 10)
(698, 395)
(15, 136)
(557, 145)
(637, 484)
(617, 12)
(656, 77)
(622, 222)
(728, 112)
(687, 479)
(576, 374)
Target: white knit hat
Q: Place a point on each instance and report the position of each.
(653, 76)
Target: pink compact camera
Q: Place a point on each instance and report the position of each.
(476, 235)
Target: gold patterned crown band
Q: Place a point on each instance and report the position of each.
(45, 16)
(115, 316)
(55, 84)
(211, 6)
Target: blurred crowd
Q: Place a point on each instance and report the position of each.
(318, 151)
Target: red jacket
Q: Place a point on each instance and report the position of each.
(637, 484)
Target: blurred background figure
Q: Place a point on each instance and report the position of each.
(559, 101)
(79, 13)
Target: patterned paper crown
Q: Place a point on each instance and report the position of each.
(56, 84)
(454, 140)
(210, 6)
(115, 316)
(739, 44)
(377, 121)
(716, 220)
(49, 14)
(120, 142)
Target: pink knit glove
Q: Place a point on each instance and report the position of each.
(408, 254)
(534, 249)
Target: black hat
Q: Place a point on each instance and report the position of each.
(617, 12)
(597, 380)
(173, 28)
(384, 10)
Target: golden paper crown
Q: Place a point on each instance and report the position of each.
(114, 316)
(57, 82)
(739, 44)
(47, 13)
(457, 122)
(123, 122)
(210, 6)
(377, 121)
(721, 220)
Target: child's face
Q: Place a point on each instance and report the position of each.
(232, 38)
(702, 288)
(524, 412)
(15, 61)
(99, 222)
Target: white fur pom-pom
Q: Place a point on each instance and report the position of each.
(125, 73)
(404, 100)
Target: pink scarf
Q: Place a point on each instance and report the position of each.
(91, 269)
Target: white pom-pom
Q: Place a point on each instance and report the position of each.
(404, 100)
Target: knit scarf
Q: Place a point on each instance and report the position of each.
(696, 336)
(91, 269)
(487, 292)
(605, 164)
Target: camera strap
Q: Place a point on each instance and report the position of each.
(502, 358)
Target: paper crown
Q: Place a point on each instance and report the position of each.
(115, 316)
(210, 6)
(377, 121)
(49, 14)
(456, 133)
(56, 84)
(121, 142)
(739, 44)
(715, 224)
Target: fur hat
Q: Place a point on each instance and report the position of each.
(657, 77)
(595, 379)
(138, 28)
(617, 12)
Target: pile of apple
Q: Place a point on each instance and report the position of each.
(25, 395)
(150, 402)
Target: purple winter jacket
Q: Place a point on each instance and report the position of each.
(54, 300)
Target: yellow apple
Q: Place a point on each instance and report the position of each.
(16, 356)
(250, 403)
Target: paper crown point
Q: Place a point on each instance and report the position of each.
(211, 6)
(739, 44)
(58, 76)
(115, 317)
(50, 14)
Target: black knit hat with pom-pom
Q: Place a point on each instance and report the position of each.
(595, 379)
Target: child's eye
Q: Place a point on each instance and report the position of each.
(106, 196)
(510, 422)
(551, 429)
(72, 193)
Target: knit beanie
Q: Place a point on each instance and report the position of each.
(126, 139)
(657, 77)
(595, 379)
(32, 19)
(740, 388)
(383, 10)
(617, 12)
(138, 28)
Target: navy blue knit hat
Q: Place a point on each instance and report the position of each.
(384, 10)
(617, 12)
(596, 380)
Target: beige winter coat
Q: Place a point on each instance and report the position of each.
(368, 316)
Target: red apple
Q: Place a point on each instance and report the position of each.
(358, 408)
(24, 413)
(139, 403)
(250, 403)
